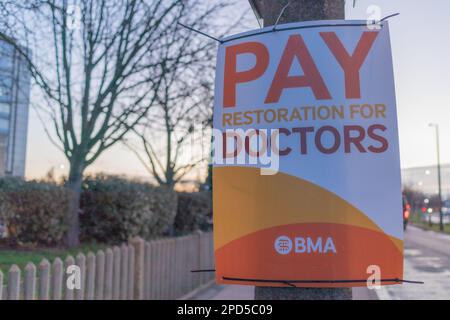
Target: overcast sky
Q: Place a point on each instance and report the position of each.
(421, 54)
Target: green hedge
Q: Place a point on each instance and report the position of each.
(194, 212)
(33, 211)
(115, 209)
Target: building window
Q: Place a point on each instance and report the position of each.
(4, 124)
(4, 108)
(3, 90)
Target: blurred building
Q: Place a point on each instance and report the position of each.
(14, 104)
(424, 179)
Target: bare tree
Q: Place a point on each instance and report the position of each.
(98, 65)
(173, 126)
(174, 140)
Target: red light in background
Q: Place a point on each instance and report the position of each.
(406, 214)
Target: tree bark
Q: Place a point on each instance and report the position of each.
(301, 10)
(73, 186)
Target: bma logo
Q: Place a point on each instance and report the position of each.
(283, 245)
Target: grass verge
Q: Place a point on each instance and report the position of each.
(21, 257)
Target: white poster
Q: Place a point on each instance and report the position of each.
(306, 167)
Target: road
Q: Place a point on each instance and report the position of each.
(427, 258)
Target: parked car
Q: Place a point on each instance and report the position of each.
(406, 212)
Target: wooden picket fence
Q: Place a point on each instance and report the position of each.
(159, 269)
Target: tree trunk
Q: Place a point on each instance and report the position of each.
(301, 10)
(73, 185)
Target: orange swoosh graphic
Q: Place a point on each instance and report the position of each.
(246, 202)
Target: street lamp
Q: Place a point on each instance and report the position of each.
(441, 222)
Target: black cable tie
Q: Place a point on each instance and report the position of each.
(390, 16)
(280, 15)
(307, 27)
(203, 270)
(200, 32)
(290, 284)
(293, 282)
(274, 29)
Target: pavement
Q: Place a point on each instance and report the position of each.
(229, 292)
(427, 258)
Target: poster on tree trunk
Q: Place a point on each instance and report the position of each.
(306, 172)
